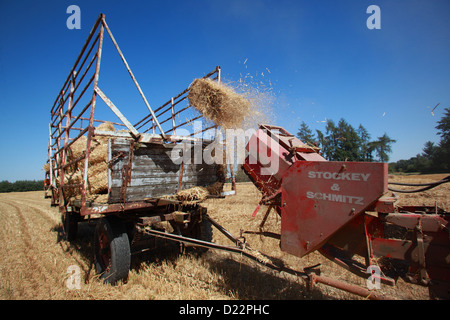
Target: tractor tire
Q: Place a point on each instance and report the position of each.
(70, 225)
(206, 230)
(201, 230)
(112, 254)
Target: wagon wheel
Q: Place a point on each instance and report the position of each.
(70, 225)
(54, 196)
(200, 229)
(112, 255)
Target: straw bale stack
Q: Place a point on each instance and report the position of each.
(98, 164)
(219, 103)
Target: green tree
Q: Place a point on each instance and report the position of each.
(382, 146)
(429, 157)
(320, 138)
(5, 186)
(305, 134)
(442, 153)
(444, 126)
(342, 142)
(435, 157)
(21, 185)
(365, 151)
(429, 150)
(347, 142)
(330, 141)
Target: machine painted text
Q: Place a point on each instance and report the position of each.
(335, 197)
(345, 176)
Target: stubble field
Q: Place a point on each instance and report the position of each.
(35, 263)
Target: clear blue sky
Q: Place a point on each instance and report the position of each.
(324, 63)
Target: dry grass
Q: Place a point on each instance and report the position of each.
(192, 194)
(34, 260)
(438, 196)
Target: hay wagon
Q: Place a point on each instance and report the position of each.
(129, 177)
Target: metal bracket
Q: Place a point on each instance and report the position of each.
(424, 279)
(126, 173)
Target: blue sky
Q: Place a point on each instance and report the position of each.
(323, 60)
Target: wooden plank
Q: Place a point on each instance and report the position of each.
(149, 181)
(137, 193)
(157, 172)
(116, 111)
(153, 173)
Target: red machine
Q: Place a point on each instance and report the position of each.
(342, 210)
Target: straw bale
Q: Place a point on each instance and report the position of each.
(46, 167)
(99, 150)
(218, 103)
(77, 148)
(70, 178)
(98, 163)
(99, 145)
(106, 126)
(98, 178)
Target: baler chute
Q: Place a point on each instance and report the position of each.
(343, 210)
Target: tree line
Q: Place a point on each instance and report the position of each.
(21, 185)
(342, 142)
(435, 158)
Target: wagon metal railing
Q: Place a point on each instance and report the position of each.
(73, 111)
(169, 111)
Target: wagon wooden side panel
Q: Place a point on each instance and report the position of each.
(141, 171)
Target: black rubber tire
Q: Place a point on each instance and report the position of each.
(201, 230)
(112, 254)
(206, 230)
(70, 225)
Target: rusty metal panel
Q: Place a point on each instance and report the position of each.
(319, 198)
(427, 222)
(115, 208)
(268, 154)
(271, 151)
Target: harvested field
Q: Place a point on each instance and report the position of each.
(439, 195)
(35, 261)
